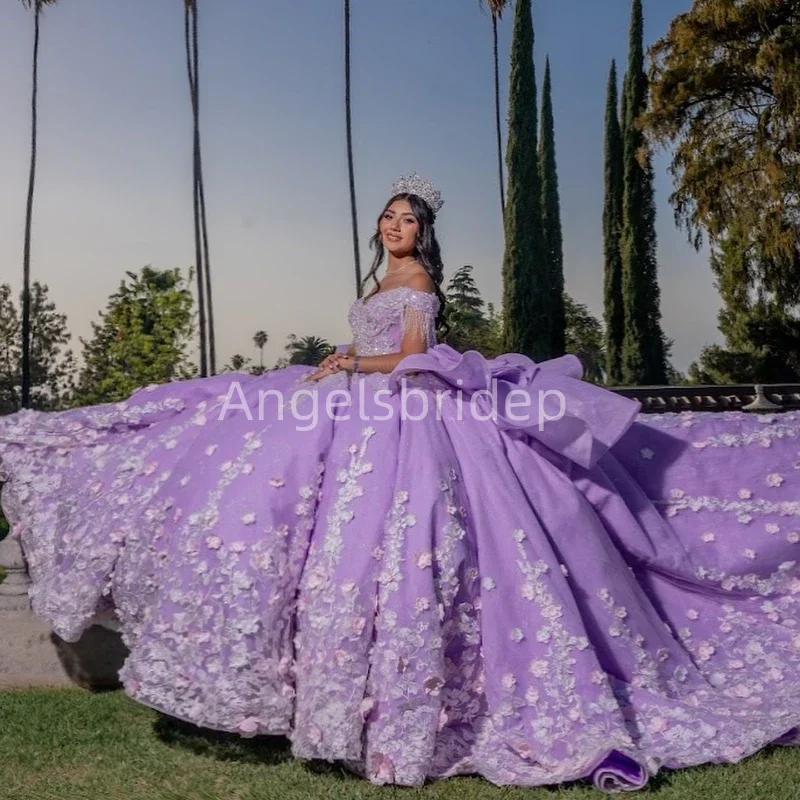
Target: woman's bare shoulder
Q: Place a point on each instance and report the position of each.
(421, 282)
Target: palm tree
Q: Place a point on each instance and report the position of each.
(309, 350)
(496, 8)
(237, 363)
(349, 127)
(208, 358)
(201, 189)
(37, 6)
(260, 338)
(188, 6)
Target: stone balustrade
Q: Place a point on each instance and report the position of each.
(774, 397)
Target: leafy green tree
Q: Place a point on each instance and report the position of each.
(491, 344)
(771, 354)
(471, 326)
(52, 363)
(143, 337)
(644, 358)
(526, 299)
(614, 311)
(10, 352)
(761, 330)
(584, 338)
(725, 83)
(464, 312)
(551, 220)
(673, 375)
(52, 366)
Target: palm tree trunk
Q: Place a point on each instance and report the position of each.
(26, 258)
(349, 125)
(497, 117)
(201, 300)
(212, 348)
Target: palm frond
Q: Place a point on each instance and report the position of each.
(496, 7)
(40, 3)
(309, 350)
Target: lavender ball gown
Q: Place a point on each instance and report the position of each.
(601, 596)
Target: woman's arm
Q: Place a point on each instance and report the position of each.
(329, 364)
(414, 341)
(416, 324)
(367, 364)
(418, 321)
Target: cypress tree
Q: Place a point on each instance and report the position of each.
(526, 297)
(612, 228)
(623, 114)
(551, 220)
(643, 350)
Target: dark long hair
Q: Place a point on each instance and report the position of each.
(427, 252)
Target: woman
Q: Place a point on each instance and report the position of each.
(535, 591)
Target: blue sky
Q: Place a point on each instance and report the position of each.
(114, 178)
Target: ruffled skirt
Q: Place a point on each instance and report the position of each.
(424, 595)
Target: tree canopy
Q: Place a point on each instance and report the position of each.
(52, 366)
(142, 337)
(725, 93)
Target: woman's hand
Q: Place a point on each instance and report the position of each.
(329, 363)
(338, 361)
(315, 376)
(332, 364)
(345, 362)
(328, 366)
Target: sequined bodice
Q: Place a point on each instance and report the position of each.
(379, 322)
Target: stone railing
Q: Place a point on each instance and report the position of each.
(775, 397)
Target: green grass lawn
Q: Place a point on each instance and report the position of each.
(68, 744)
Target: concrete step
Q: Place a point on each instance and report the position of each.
(32, 655)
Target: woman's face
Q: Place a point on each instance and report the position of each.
(398, 228)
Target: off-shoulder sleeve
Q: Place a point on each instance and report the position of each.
(419, 316)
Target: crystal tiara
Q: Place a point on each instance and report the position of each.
(414, 184)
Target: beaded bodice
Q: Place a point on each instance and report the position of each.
(380, 322)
